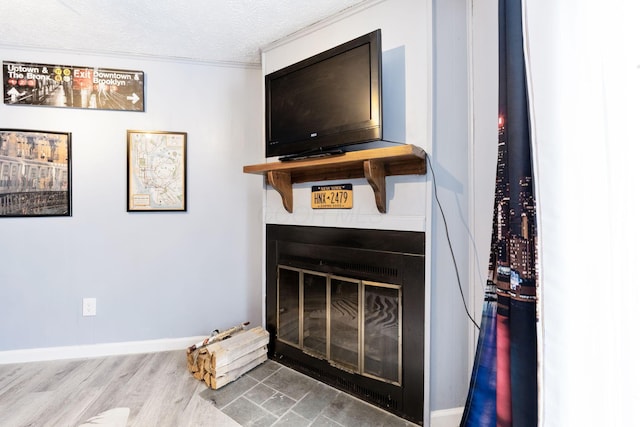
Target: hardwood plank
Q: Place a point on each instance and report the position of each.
(66, 409)
(70, 392)
(30, 378)
(120, 390)
(19, 412)
(170, 392)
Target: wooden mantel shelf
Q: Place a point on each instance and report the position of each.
(374, 164)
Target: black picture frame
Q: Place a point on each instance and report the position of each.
(156, 171)
(35, 173)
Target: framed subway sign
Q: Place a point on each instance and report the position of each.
(72, 86)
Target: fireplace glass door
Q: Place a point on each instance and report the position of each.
(381, 336)
(353, 324)
(314, 320)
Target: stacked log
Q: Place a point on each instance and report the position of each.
(224, 361)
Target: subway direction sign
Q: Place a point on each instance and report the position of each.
(72, 86)
(332, 196)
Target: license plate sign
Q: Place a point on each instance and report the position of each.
(332, 196)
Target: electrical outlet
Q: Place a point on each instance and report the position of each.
(88, 306)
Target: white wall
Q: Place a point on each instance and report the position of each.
(155, 275)
(406, 110)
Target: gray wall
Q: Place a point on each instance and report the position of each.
(449, 324)
(155, 275)
(465, 105)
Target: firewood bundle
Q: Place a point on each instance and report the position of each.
(220, 362)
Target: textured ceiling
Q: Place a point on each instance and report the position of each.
(229, 31)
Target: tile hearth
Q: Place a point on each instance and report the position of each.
(274, 395)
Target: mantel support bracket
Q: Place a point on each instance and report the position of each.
(281, 181)
(374, 164)
(375, 173)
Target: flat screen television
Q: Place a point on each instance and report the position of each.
(325, 102)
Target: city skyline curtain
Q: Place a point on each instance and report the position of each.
(503, 389)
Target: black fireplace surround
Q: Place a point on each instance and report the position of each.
(396, 258)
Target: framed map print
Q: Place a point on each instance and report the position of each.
(156, 171)
(35, 173)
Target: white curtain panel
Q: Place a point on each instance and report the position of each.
(583, 60)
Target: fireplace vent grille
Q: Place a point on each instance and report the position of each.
(344, 384)
(371, 269)
(380, 399)
(352, 267)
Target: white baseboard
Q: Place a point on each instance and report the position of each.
(446, 417)
(96, 350)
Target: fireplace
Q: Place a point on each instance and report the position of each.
(346, 306)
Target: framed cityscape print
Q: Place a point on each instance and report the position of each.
(35, 173)
(156, 171)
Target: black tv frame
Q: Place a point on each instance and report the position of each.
(330, 140)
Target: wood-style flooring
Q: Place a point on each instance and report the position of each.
(157, 390)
